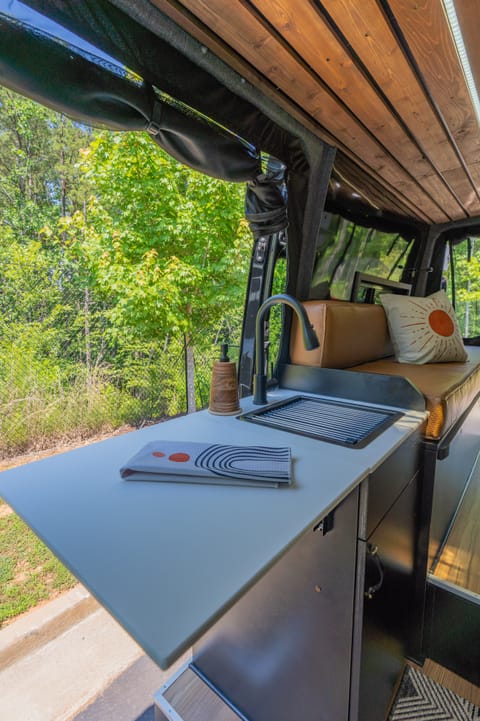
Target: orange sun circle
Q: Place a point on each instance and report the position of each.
(441, 323)
(179, 457)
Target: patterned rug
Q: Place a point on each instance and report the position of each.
(421, 699)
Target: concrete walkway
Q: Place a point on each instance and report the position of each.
(69, 660)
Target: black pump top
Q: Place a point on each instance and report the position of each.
(224, 353)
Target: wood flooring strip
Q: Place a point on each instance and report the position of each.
(450, 680)
(460, 559)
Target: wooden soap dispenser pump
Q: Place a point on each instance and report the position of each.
(224, 386)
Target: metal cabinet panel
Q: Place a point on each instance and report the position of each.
(283, 651)
(386, 483)
(385, 610)
(451, 477)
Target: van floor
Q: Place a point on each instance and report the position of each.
(450, 680)
(459, 562)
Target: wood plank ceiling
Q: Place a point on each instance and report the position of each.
(379, 79)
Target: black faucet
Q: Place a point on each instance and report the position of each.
(309, 338)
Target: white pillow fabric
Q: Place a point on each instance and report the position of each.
(423, 330)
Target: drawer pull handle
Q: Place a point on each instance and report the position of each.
(372, 552)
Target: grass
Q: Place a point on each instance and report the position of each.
(29, 572)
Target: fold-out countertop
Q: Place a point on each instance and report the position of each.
(167, 559)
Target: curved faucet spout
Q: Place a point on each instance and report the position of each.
(308, 333)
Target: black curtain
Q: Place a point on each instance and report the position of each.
(92, 91)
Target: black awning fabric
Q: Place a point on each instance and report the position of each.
(266, 200)
(201, 145)
(53, 74)
(92, 91)
(165, 66)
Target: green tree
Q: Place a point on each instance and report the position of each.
(466, 262)
(39, 179)
(165, 245)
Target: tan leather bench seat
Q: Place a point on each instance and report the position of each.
(354, 336)
(448, 388)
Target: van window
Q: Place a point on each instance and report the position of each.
(462, 282)
(345, 248)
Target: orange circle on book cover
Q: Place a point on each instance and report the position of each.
(158, 454)
(441, 323)
(179, 457)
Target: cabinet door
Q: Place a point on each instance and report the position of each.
(283, 651)
(386, 609)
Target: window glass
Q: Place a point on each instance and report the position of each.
(462, 282)
(345, 248)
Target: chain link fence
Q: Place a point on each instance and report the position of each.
(63, 378)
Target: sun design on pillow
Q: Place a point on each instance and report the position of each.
(441, 323)
(424, 330)
(430, 329)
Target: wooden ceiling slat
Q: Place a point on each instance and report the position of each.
(361, 170)
(455, 177)
(426, 31)
(251, 39)
(416, 136)
(307, 32)
(468, 14)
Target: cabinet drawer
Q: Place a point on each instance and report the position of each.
(387, 482)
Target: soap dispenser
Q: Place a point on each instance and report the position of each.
(224, 386)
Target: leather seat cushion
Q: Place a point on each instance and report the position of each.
(449, 388)
(348, 333)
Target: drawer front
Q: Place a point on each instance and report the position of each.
(387, 482)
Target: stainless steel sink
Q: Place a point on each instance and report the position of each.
(341, 422)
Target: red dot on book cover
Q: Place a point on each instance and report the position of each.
(179, 457)
(158, 454)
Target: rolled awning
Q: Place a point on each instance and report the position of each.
(90, 89)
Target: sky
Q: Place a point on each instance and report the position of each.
(22, 12)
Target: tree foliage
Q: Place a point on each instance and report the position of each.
(112, 257)
(164, 244)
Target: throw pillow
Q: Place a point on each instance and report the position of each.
(423, 330)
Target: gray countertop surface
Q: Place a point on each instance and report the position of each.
(167, 559)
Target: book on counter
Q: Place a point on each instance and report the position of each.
(190, 462)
